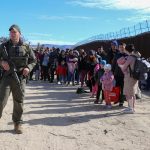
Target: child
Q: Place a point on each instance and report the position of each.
(98, 76)
(107, 84)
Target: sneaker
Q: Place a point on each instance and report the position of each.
(58, 82)
(18, 128)
(108, 106)
(129, 110)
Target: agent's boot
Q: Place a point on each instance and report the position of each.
(18, 128)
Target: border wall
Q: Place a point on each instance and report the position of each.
(139, 35)
(141, 43)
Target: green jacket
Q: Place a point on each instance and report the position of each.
(21, 55)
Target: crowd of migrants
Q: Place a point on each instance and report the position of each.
(100, 70)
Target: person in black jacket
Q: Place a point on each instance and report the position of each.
(53, 57)
(98, 76)
(91, 63)
(118, 74)
(102, 53)
(112, 52)
(82, 66)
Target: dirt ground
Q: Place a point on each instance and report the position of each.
(56, 118)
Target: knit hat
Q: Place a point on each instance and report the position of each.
(14, 26)
(103, 62)
(115, 43)
(107, 66)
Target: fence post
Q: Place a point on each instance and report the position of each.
(105, 36)
(102, 36)
(134, 30)
(124, 32)
(113, 35)
(140, 27)
(110, 36)
(129, 31)
(147, 25)
(116, 36)
(120, 34)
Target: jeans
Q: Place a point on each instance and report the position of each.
(71, 76)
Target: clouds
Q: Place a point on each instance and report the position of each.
(143, 6)
(43, 38)
(36, 36)
(39, 34)
(46, 17)
(140, 9)
(57, 42)
(136, 18)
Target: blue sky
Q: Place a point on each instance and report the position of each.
(70, 21)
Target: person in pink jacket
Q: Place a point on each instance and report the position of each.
(107, 84)
(130, 84)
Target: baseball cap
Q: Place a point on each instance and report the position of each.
(14, 26)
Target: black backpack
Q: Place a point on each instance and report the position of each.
(141, 68)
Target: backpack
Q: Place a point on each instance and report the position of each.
(141, 68)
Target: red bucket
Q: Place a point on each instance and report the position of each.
(114, 95)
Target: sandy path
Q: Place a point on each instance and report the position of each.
(56, 118)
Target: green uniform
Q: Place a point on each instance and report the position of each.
(22, 57)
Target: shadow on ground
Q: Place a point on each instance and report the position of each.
(59, 100)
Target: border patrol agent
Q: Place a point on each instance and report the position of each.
(16, 59)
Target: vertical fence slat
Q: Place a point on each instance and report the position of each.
(147, 25)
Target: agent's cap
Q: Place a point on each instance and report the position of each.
(16, 27)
